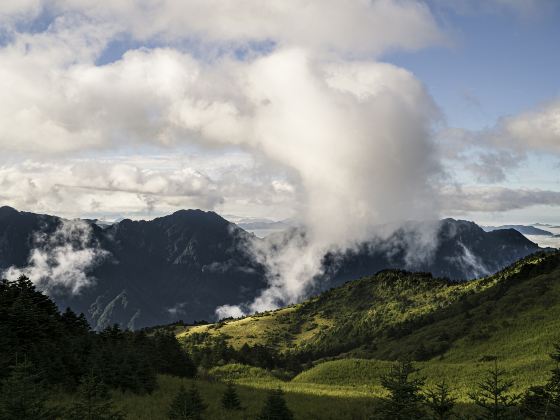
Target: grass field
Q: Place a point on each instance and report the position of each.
(335, 390)
(512, 316)
(452, 330)
(305, 405)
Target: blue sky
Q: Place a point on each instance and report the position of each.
(497, 64)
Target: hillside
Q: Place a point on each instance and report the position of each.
(184, 265)
(459, 250)
(146, 272)
(449, 328)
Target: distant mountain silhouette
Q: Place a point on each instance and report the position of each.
(178, 266)
(525, 230)
(184, 265)
(461, 250)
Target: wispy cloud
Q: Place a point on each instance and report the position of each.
(144, 186)
(495, 199)
(63, 259)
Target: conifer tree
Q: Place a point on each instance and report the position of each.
(275, 407)
(405, 400)
(22, 395)
(543, 402)
(171, 358)
(187, 405)
(440, 401)
(230, 399)
(93, 402)
(493, 395)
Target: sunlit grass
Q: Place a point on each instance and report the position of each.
(511, 316)
(304, 404)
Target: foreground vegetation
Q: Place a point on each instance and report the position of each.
(343, 341)
(395, 345)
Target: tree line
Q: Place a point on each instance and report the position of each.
(189, 405)
(23, 396)
(41, 347)
(207, 351)
(408, 400)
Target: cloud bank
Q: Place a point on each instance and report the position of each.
(148, 186)
(328, 131)
(360, 26)
(495, 199)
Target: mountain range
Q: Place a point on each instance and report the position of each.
(183, 266)
(525, 230)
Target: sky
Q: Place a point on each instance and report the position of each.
(342, 113)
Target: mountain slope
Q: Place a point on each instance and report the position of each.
(394, 314)
(459, 250)
(183, 266)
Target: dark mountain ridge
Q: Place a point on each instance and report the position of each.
(181, 265)
(460, 250)
(184, 265)
(525, 230)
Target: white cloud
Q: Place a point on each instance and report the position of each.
(358, 135)
(62, 259)
(143, 186)
(495, 199)
(536, 130)
(492, 167)
(227, 311)
(492, 154)
(355, 27)
(352, 135)
(12, 11)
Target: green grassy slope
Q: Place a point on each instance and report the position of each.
(342, 317)
(451, 329)
(390, 314)
(305, 405)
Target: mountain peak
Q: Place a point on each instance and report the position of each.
(7, 211)
(194, 216)
(190, 212)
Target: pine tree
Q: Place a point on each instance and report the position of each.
(275, 407)
(93, 403)
(187, 405)
(230, 399)
(22, 395)
(543, 402)
(492, 396)
(171, 358)
(440, 401)
(405, 400)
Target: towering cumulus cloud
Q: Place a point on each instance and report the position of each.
(297, 84)
(358, 136)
